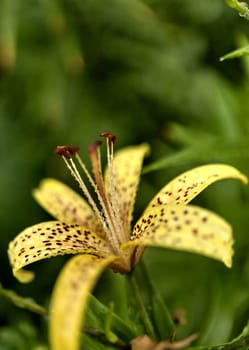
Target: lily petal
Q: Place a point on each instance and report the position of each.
(189, 228)
(127, 165)
(183, 188)
(66, 205)
(48, 239)
(69, 299)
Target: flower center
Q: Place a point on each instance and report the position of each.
(108, 209)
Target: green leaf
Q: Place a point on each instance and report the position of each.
(162, 318)
(99, 315)
(163, 321)
(21, 335)
(239, 343)
(91, 343)
(240, 7)
(243, 51)
(214, 150)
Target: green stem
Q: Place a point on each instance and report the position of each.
(101, 337)
(162, 317)
(98, 312)
(22, 302)
(237, 344)
(144, 314)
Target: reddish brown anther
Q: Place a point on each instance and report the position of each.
(66, 151)
(94, 146)
(111, 137)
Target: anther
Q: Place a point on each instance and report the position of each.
(111, 137)
(66, 151)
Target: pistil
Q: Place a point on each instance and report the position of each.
(114, 230)
(110, 140)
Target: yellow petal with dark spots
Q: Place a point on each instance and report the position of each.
(69, 299)
(188, 228)
(49, 239)
(66, 205)
(127, 165)
(183, 188)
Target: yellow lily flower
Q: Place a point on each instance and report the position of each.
(99, 231)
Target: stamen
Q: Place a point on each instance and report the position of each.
(95, 156)
(90, 179)
(110, 216)
(66, 152)
(111, 138)
(84, 168)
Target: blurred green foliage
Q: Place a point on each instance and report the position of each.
(147, 71)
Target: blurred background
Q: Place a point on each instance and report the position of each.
(148, 71)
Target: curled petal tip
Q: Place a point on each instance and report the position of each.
(244, 179)
(24, 276)
(228, 260)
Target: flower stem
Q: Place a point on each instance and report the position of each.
(163, 321)
(144, 314)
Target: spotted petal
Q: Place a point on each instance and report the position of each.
(187, 228)
(127, 166)
(66, 205)
(188, 185)
(50, 239)
(69, 299)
